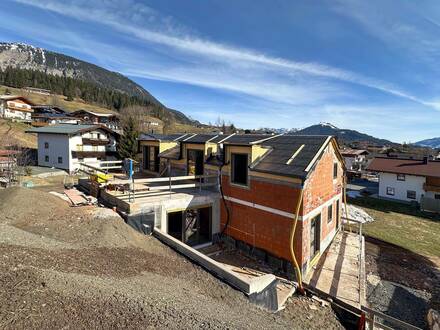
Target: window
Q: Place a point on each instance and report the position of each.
(335, 170)
(46, 145)
(239, 169)
(390, 191)
(46, 158)
(60, 160)
(437, 196)
(411, 194)
(400, 177)
(329, 213)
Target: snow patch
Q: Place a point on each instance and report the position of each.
(328, 125)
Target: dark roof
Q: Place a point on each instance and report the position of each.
(53, 115)
(172, 153)
(69, 129)
(283, 148)
(405, 166)
(159, 137)
(198, 138)
(48, 109)
(246, 139)
(353, 152)
(220, 137)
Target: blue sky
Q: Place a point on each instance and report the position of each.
(366, 65)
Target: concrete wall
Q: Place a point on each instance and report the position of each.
(411, 182)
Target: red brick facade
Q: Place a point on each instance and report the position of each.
(269, 231)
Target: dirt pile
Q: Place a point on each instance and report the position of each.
(64, 267)
(17, 204)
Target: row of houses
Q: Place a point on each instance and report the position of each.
(263, 180)
(19, 108)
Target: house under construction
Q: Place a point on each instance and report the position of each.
(278, 197)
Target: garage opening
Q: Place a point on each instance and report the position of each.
(192, 226)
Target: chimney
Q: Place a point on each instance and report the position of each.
(425, 160)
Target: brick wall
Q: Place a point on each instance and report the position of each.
(283, 197)
(261, 229)
(270, 231)
(319, 188)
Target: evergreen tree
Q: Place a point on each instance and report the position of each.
(127, 145)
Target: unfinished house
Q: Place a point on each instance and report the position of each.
(247, 191)
(263, 181)
(151, 145)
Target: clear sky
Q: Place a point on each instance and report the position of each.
(369, 65)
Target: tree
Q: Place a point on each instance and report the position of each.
(128, 145)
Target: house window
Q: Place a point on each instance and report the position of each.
(335, 170)
(239, 169)
(46, 158)
(46, 145)
(329, 213)
(400, 177)
(437, 196)
(390, 191)
(60, 160)
(411, 194)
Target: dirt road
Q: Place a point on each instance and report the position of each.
(81, 268)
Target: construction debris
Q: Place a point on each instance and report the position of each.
(78, 198)
(357, 213)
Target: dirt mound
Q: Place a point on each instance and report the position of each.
(18, 204)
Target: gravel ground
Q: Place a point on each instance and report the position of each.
(72, 268)
(400, 283)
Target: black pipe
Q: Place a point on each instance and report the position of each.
(224, 200)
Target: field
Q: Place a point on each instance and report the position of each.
(12, 133)
(402, 225)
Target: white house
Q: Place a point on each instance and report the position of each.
(407, 179)
(355, 159)
(15, 107)
(65, 146)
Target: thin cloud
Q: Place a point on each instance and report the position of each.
(208, 50)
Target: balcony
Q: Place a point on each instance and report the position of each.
(96, 142)
(92, 154)
(431, 187)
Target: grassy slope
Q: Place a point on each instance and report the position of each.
(402, 225)
(14, 134)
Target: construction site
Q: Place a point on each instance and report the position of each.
(219, 221)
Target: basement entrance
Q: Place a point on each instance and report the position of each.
(192, 226)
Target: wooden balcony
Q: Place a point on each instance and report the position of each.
(95, 142)
(93, 154)
(431, 187)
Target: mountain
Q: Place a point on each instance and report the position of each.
(431, 143)
(344, 135)
(27, 57)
